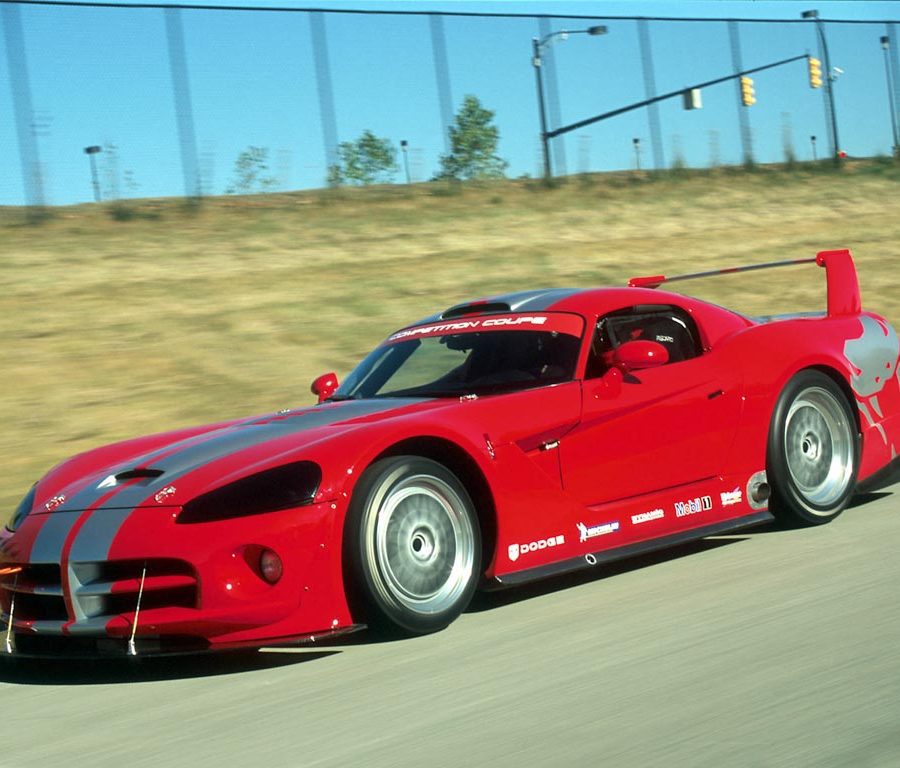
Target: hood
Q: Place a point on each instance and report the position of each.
(146, 471)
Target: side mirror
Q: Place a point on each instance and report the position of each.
(638, 355)
(325, 386)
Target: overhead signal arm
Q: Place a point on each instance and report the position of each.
(671, 95)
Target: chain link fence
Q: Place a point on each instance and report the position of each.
(169, 98)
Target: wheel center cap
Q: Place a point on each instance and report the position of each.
(810, 446)
(421, 544)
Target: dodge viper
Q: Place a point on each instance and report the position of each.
(499, 441)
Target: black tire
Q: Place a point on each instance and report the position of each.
(813, 451)
(412, 545)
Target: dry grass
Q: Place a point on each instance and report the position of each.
(113, 328)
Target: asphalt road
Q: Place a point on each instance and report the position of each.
(771, 648)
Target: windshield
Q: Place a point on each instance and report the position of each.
(456, 364)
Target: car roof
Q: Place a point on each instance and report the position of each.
(715, 321)
(583, 301)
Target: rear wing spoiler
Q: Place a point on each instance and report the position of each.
(840, 276)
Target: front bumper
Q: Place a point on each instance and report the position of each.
(166, 587)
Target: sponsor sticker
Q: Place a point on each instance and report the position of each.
(517, 550)
(55, 502)
(693, 506)
(646, 517)
(590, 532)
(731, 497)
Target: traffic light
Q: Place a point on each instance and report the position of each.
(815, 73)
(692, 99)
(748, 97)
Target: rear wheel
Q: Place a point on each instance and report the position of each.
(413, 544)
(813, 451)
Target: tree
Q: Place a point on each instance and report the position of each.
(473, 145)
(368, 160)
(250, 172)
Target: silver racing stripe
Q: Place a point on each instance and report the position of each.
(536, 301)
(49, 626)
(88, 495)
(87, 626)
(521, 301)
(50, 539)
(190, 453)
(94, 541)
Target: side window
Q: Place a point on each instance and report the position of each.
(666, 325)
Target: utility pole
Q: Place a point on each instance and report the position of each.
(885, 46)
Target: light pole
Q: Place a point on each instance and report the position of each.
(812, 140)
(90, 152)
(637, 152)
(885, 46)
(829, 82)
(537, 46)
(403, 146)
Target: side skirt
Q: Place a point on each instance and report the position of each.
(887, 475)
(620, 553)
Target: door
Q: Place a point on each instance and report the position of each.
(651, 429)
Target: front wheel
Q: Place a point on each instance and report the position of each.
(413, 544)
(813, 451)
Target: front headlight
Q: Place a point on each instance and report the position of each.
(22, 510)
(291, 485)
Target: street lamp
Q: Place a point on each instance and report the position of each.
(90, 152)
(637, 152)
(829, 81)
(537, 46)
(885, 45)
(403, 146)
(812, 140)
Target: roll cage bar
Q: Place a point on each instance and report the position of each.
(840, 276)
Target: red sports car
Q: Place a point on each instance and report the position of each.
(496, 442)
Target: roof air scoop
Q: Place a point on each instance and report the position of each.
(142, 474)
(476, 308)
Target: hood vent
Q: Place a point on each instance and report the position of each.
(143, 475)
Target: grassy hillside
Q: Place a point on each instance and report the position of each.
(123, 320)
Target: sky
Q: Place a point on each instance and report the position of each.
(102, 76)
